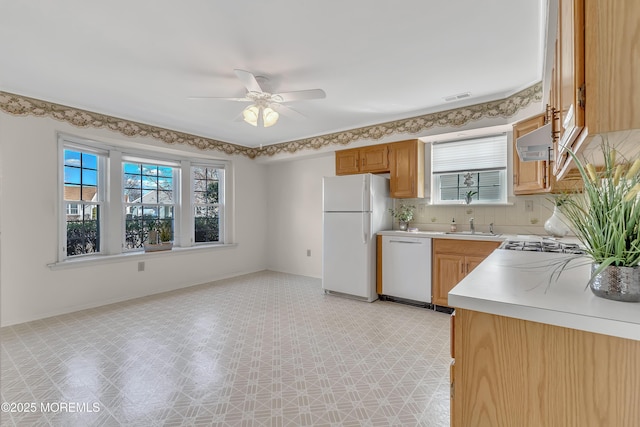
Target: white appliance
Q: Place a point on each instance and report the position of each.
(355, 208)
(406, 267)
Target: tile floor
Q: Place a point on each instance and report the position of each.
(265, 349)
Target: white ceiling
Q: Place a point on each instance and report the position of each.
(376, 60)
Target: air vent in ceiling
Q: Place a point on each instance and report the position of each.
(457, 97)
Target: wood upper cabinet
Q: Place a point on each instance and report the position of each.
(372, 159)
(406, 166)
(612, 49)
(348, 161)
(569, 68)
(594, 73)
(404, 160)
(536, 177)
(512, 372)
(453, 259)
(528, 177)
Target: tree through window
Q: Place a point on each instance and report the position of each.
(207, 199)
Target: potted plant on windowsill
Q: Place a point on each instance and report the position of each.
(606, 220)
(159, 238)
(404, 215)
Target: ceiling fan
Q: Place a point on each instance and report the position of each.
(265, 106)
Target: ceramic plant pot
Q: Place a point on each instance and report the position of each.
(555, 225)
(616, 283)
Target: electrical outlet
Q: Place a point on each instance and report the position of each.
(308, 252)
(141, 266)
(528, 205)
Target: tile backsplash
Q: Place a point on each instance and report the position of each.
(512, 219)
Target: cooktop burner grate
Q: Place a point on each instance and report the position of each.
(542, 246)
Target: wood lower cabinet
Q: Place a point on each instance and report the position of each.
(453, 259)
(406, 165)
(511, 372)
(372, 159)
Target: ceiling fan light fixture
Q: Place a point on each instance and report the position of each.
(250, 114)
(269, 117)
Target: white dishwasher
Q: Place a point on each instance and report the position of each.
(406, 267)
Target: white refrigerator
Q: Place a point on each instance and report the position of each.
(355, 208)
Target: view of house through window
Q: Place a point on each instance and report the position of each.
(162, 198)
(148, 200)
(81, 202)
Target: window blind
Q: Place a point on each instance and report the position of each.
(478, 154)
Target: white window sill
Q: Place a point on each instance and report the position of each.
(86, 261)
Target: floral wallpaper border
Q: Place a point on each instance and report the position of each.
(21, 106)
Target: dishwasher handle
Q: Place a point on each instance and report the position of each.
(406, 241)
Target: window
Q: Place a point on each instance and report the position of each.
(148, 191)
(207, 202)
(474, 167)
(149, 201)
(82, 201)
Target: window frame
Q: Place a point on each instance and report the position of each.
(176, 205)
(436, 193)
(111, 159)
(101, 191)
(220, 204)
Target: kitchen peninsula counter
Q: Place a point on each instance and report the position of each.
(519, 285)
(529, 352)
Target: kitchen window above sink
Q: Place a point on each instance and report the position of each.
(469, 171)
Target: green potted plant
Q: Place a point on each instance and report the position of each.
(160, 238)
(404, 215)
(469, 196)
(606, 220)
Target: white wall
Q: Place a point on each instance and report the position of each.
(295, 214)
(30, 290)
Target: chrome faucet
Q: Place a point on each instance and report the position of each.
(473, 227)
(491, 228)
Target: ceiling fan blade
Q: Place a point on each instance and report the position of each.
(248, 80)
(221, 98)
(287, 111)
(299, 95)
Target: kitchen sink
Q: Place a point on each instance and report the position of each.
(469, 233)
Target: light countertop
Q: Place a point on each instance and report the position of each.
(444, 235)
(517, 284)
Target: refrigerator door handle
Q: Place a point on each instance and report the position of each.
(364, 193)
(364, 227)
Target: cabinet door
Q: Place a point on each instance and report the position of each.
(570, 69)
(472, 262)
(374, 159)
(406, 164)
(528, 177)
(611, 65)
(448, 270)
(347, 161)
